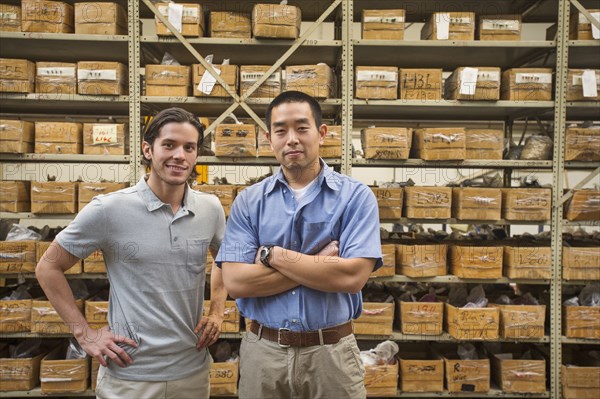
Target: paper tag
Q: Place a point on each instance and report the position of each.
(58, 72)
(589, 83)
(500, 24)
(254, 76)
(543, 78)
(460, 20)
(379, 76)
(207, 83)
(468, 81)
(488, 76)
(385, 20)
(8, 15)
(104, 134)
(595, 31)
(442, 26)
(96, 74)
(190, 12)
(176, 15)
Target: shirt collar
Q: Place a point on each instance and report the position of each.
(326, 174)
(153, 203)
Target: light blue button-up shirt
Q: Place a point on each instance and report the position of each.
(336, 208)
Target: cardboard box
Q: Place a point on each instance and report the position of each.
(315, 80)
(58, 138)
(105, 138)
(87, 191)
(15, 196)
(56, 78)
(101, 78)
(581, 322)
(499, 27)
(449, 26)
(59, 375)
(95, 18)
(580, 28)
(224, 378)
(376, 83)
(484, 143)
(263, 146)
(168, 80)
(96, 313)
(581, 263)
(94, 263)
(582, 144)
(389, 261)
(389, 201)
(580, 380)
(45, 319)
(420, 84)
(584, 205)
(270, 88)
(202, 81)
(468, 261)
(332, 144)
(43, 246)
(440, 144)
(17, 256)
(476, 83)
(381, 380)
(225, 192)
(231, 319)
(479, 324)
(523, 376)
(230, 25)
(376, 319)
(16, 76)
(527, 84)
(192, 21)
(232, 140)
(532, 263)
(16, 136)
(526, 203)
(383, 24)
(419, 372)
(421, 260)
(420, 318)
(466, 375)
(95, 366)
(275, 21)
(19, 374)
(386, 142)
(476, 203)
(46, 16)
(53, 197)
(577, 88)
(427, 202)
(10, 18)
(15, 316)
(522, 321)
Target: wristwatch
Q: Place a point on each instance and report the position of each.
(265, 253)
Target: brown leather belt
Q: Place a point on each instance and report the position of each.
(288, 338)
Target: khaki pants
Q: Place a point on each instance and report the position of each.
(195, 386)
(328, 371)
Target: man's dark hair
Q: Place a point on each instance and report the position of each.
(169, 115)
(296, 97)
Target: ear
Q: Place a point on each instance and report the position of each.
(269, 138)
(322, 133)
(147, 150)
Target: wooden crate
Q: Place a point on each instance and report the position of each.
(230, 24)
(527, 204)
(315, 80)
(15, 316)
(59, 375)
(43, 246)
(56, 78)
(224, 378)
(19, 374)
(389, 261)
(420, 84)
(231, 319)
(46, 16)
(420, 318)
(16, 76)
(478, 262)
(96, 313)
(526, 84)
(381, 380)
(276, 21)
(270, 88)
(522, 321)
(105, 139)
(421, 260)
(332, 143)
(15, 196)
(581, 322)
(87, 191)
(472, 323)
(476, 83)
(53, 197)
(45, 319)
(203, 88)
(575, 87)
(427, 202)
(499, 27)
(440, 144)
(584, 205)
(581, 263)
(476, 203)
(389, 201)
(101, 78)
(449, 26)
(376, 83)
(376, 319)
(386, 142)
(466, 375)
(580, 381)
(168, 80)
(192, 21)
(10, 17)
(93, 18)
(532, 263)
(16, 136)
(419, 372)
(582, 144)
(522, 376)
(17, 256)
(484, 143)
(383, 24)
(58, 138)
(232, 140)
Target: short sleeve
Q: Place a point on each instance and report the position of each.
(86, 233)
(217, 239)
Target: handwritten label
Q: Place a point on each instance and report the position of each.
(380, 76)
(104, 134)
(56, 72)
(96, 74)
(385, 20)
(500, 24)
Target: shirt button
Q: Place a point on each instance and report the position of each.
(293, 292)
(175, 239)
(294, 321)
(285, 191)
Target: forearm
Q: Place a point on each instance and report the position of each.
(218, 294)
(323, 273)
(244, 280)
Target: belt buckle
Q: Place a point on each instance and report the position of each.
(279, 331)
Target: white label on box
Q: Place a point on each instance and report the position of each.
(385, 20)
(66, 71)
(488, 76)
(596, 31)
(442, 26)
(190, 12)
(104, 134)
(8, 15)
(460, 20)
(524, 78)
(468, 81)
(378, 76)
(208, 81)
(254, 76)
(176, 15)
(589, 83)
(500, 24)
(96, 74)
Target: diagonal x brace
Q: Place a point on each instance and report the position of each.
(582, 183)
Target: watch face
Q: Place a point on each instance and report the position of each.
(263, 254)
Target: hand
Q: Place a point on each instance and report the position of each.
(331, 249)
(209, 329)
(102, 344)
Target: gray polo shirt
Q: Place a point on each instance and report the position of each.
(156, 264)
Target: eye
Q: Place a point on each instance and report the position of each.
(168, 145)
(190, 148)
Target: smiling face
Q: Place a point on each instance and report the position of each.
(173, 154)
(295, 139)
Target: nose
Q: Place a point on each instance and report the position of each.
(292, 137)
(178, 153)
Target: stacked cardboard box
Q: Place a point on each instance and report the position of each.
(526, 84)
(17, 256)
(53, 197)
(315, 80)
(522, 321)
(276, 21)
(582, 144)
(230, 25)
(478, 262)
(584, 205)
(484, 143)
(428, 202)
(16, 76)
(231, 318)
(232, 140)
(475, 203)
(386, 142)
(580, 376)
(60, 375)
(105, 139)
(376, 319)
(225, 192)
(101, 78)
(45, 319)
(270, 88)
(580, 28)
(58, 138)
(472, 323)
(332, 143)
(420, 84)
(440, 144)
(21, 374)
(513, 374)
(15, 316)
(87, 191)
(581, 322)
(381, 380)
(10, 18)
(204, 83)
(383, 24)
(421, 372)
(223, 378)
(46, 16)
(421, 260)
(389, 261)
(16, 136)
(15, 196)
(56, 78)
(191, 19)
(477, 83)
(449, 26)
(96, 314)
(471, 375)
(499, 27)
(389, 201)
(376, 83)
(420, 318)
(581, 263)
(526, 203)
(92, 18)
(528, 262)
(583, 85)
(168, 80)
